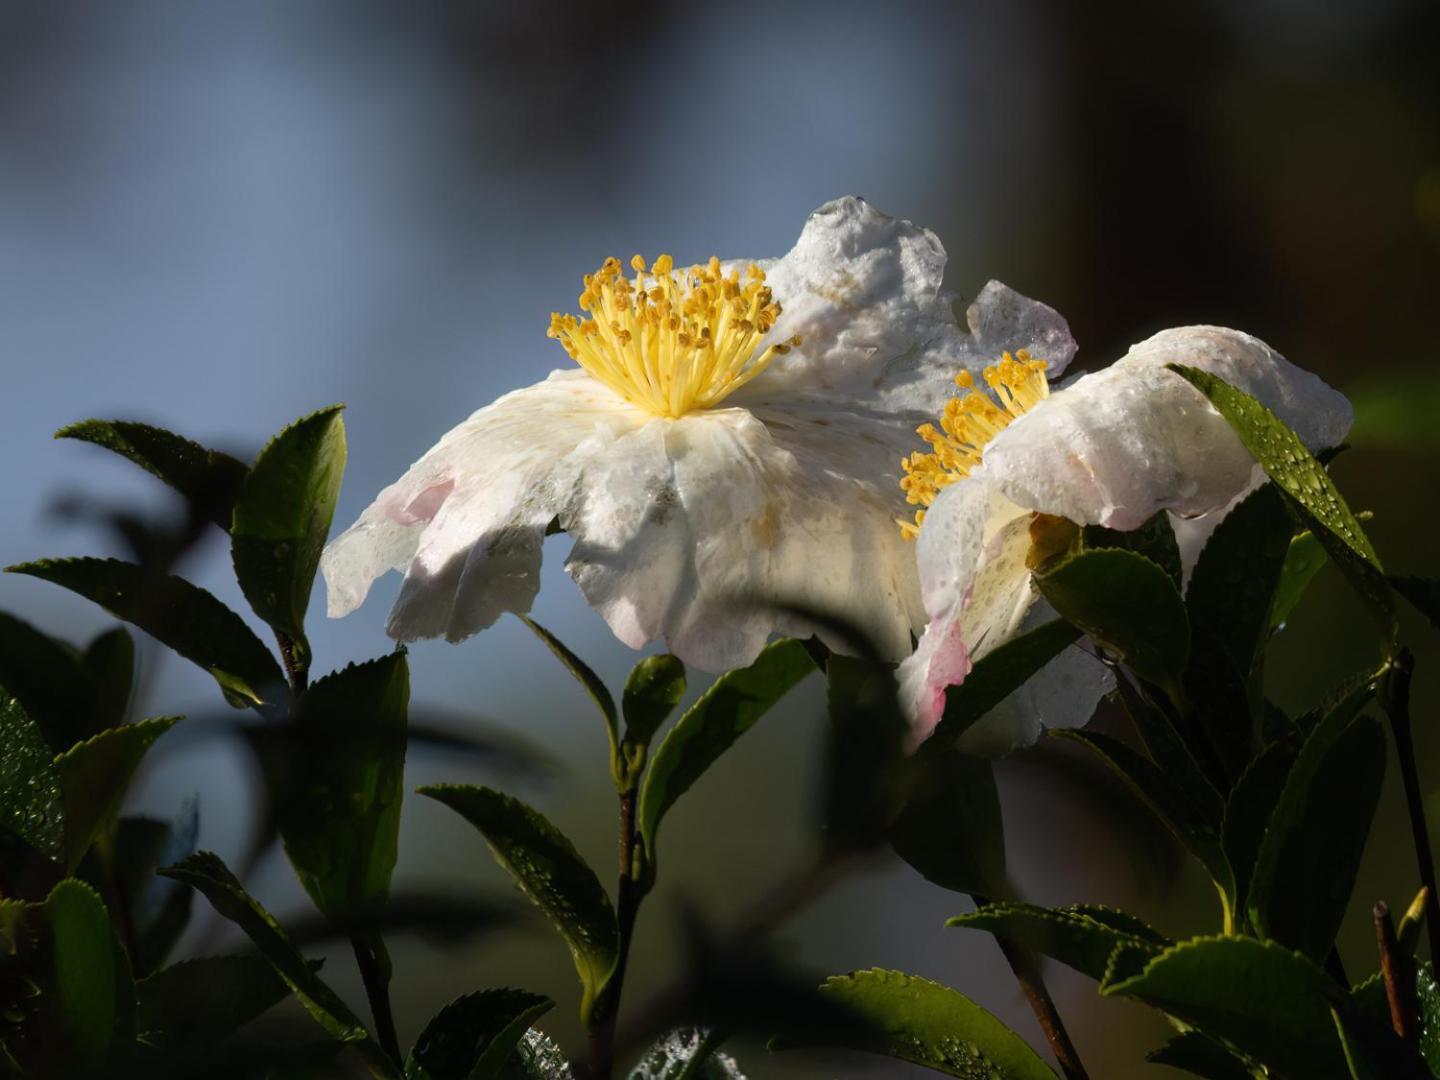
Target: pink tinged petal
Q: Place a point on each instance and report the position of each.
(1115, 447)
(1001, 320)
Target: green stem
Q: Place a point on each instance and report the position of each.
(374, 964)
(601, 1048)
(1395, 698)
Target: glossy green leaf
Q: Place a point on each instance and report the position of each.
(653, 689)
(1080, 937)
(94, 776)
(687, 1054)
(1423, 594)
(91, 979)
(31, 806)
(1248, 812)
(950, 828)
(474, 1036)
(1259, 997)
(1312, 494)
(109, 660)
(1128, 605)
(1200, 1055)
(587, 678)
(51, 682)
(1370, 996)
(1303, 560)
(1311, 851)
(539, 1057)
(730, 707)
(207, 873)
(282, 518)
(195, 1003)
(1200, 837)
(551, 872)
(179, 615)
(337, 786)
(207, 478)
(997, 675)
(913, 1019)
(1155, 539)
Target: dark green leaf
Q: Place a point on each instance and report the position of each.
(1423, 594)
(997, 675)
(1200, 838)
(1312, 494)
(1311, 851)
(94, 776)
(1176, 753)
(282, 517)
(1155, 540)
(179, 615)
(159, 908)
(915, 1020)
(92, 983)
(552, 873)
(732, 704)
(110, 662)
(474, 1036)
(1221, 708)
(210, 876)
(1370, 996)
(1129, 606)
(950, 829)
(866, 767)
(1201, 1055)
(192, 1004)
(51, 682)
(586, 678)
(1248, 812)
(337, 785)
(1083, 938)
(208, 479)
(31, 807)
(653, 689)
(1304, 559)
(1259, 997)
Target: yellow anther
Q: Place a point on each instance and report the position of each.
(967, 423)
(677, 340)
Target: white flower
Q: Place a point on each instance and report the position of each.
(1113, 448)
(729, 444)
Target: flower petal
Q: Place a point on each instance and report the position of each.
(1117, 446)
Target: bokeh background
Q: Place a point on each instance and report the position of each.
(219, 216)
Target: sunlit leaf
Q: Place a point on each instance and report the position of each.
(653, 689)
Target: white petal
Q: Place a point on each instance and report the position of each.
(1117, 446)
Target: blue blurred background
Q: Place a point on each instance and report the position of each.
(218, 216)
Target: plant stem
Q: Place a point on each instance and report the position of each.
(374, 967)
(629, 893)
(1041, 1003)
(1395, 698)
(1398, 971)
(296, 672)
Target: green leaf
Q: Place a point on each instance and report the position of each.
(1423, 594)
(338, 783)
(31, 807)
(474, 1036)
(94, 776)
(1155, 539)
(652, 690)
(729, 708)
(208, 479)
(997, 675)
(207, 873)
(1311, 851)
(1083, 938)
(586, 678)
(1258, 997)
(193, 1004)
(110, 662)
(1173, 751)
(913, 1019)
(551, 872)
(537, 1057)
(866, 767)
(687, 1054)
(1304, 559)
(158, 909)
(1370, 996)
(1232, 588)
(92, 983)
(950, 829)
(1312, 494)
(179, 615)
(52, 683)
(282, 517)
(1201, 1055)
(1129, 606)
(1200, 837)
(1248, 812)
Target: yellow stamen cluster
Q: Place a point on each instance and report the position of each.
(672, 340)
(969, 421)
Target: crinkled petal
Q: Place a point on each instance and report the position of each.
(1115, 447)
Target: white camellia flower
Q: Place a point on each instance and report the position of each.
(1113, 448)
(726, 449)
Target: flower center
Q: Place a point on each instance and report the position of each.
(967, 424)
(671, 341)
